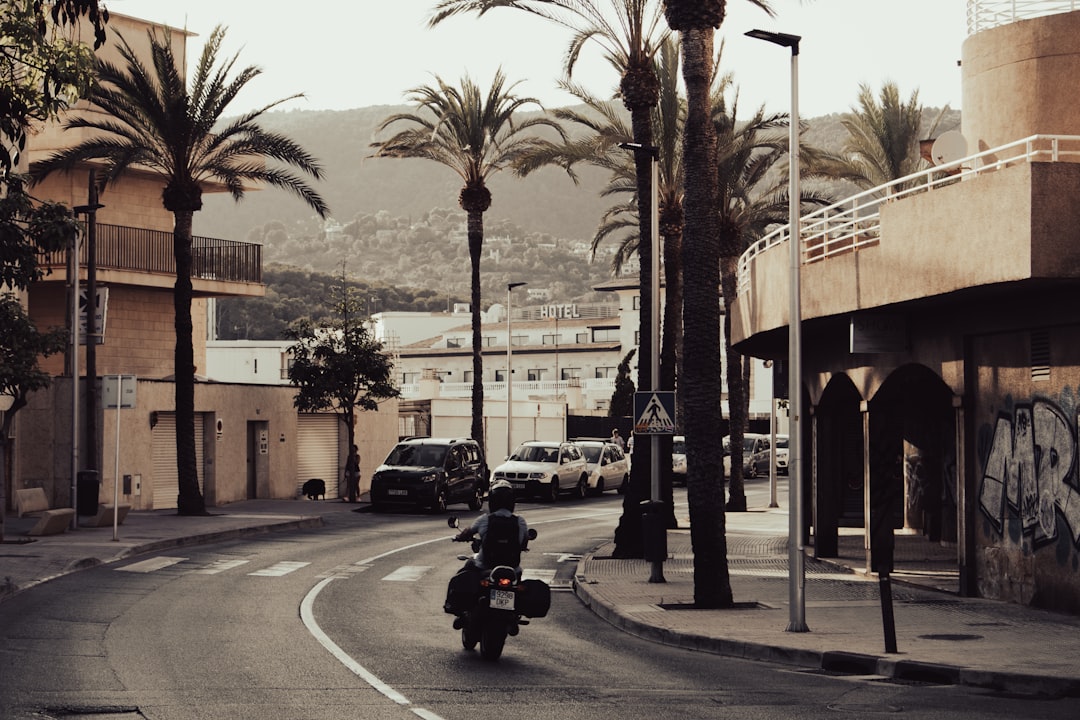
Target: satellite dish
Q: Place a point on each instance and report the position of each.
(949, 147)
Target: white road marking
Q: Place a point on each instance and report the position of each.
(219, 566)
(151, 565)
(279, 569)
(546, 575)
(408, 573)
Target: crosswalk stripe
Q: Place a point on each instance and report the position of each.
(279, 569)
(151, 565)
(407, 573)
(219, 566)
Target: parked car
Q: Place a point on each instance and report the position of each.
(545, 469)
(431, 473)
(606, 464)
(753, 443)
(678, 459)
(758, 465)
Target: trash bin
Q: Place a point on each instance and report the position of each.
(654, 529)
(87, 489)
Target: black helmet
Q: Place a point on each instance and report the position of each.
(501, 496)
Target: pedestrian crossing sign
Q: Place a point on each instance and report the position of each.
(654, 413)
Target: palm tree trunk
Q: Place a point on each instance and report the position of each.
(189, 500)
(669, 355)
(701, 320)
(629, 540)
(476, 242)
(736, 390)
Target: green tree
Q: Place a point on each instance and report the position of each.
(340, 366)
(20, 348)
(629, 33)
(152, 121)
(476, 136)
(622, 399)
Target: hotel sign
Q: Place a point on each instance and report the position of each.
(559, 312)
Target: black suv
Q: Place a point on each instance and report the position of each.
(431, 473)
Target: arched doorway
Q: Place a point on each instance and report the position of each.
(913, 448)
(839, 458)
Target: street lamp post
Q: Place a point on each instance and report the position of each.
(657, 565)
(510, 368)
(796, 551)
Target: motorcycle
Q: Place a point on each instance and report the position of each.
(492, 604)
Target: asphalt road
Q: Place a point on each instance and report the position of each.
(346, 622)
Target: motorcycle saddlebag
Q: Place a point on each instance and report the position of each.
(462, 591)
(535, 601)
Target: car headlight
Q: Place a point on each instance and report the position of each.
(538, 475)
(430, 478)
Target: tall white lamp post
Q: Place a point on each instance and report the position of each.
(796, 551)
(510, 368)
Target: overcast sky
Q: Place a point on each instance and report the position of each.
(346, 54)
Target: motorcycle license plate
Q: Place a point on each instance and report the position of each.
(502, 600)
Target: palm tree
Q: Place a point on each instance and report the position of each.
(883, 137)
(475, 136)
(630, 33)
(153, 122)
(751, 198)
(696, 21)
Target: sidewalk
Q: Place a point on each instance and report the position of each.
(941, 638)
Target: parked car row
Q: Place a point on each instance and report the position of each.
(431, 473)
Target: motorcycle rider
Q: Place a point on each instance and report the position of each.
(503, 536)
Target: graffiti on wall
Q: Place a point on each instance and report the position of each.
(1030, 473)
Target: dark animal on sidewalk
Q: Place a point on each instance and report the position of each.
(314, 489)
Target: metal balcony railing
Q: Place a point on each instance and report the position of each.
(855, 223)
(987, 14)
(119, 247)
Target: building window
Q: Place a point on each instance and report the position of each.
(537, 374)
(551, 340)
(467, 376)
(606, 372)
(410, 378)
(637, 302)
(605, 334)
(500, 376)
(454, 342)
(637, 338)
(582, 337)
(487, 341)
(567, 373)
(519, 340)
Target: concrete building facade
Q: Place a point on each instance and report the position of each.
(941, 344)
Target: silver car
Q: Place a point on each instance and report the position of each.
(606, 464)
(545, 469)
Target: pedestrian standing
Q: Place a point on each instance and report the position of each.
(352, 475)
(617, 439)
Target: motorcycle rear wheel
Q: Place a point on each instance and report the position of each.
(492, 640)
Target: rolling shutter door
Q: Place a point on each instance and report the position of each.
(163, 448)
(317, 452)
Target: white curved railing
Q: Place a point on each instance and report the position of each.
(986, 14)
(855, 222)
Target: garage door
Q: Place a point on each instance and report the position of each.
(163, 441)
(317, 452)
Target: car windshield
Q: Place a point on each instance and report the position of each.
(679, 447)
(537, 453)
(592, 453)
(417, 455)
(781, 442)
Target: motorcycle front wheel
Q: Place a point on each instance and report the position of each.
(492, 640)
